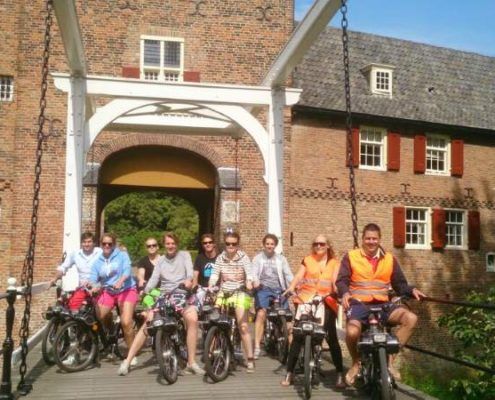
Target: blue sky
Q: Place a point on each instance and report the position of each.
(458, 24)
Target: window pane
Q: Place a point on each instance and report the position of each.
(171, 56)
(152, 53)
(455, 228)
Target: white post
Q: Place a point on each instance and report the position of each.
(276, 165)
(74, 168)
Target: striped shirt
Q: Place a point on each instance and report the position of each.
(232, 273)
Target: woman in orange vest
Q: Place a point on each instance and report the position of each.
(316, 276)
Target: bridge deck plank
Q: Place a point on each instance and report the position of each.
(142, 383)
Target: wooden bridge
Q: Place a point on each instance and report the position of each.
(143, 382)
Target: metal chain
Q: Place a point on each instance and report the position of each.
(27, 270)
(350, 152)
(236, 194)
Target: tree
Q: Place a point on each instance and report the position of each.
(474, 328)
(135, 216)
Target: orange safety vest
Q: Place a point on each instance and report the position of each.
(318, 281)
(367, 285)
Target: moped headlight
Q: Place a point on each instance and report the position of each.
(281, 312)
(380, 338)
(156, 323)
(307, 327)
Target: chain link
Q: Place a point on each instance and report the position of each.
(350, 152)
(27, 270)
(236, 194)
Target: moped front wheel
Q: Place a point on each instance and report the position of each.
(282, 338)
(308, 366)
(49, 339)
(217, 354)
(386, 389)
(166, 356)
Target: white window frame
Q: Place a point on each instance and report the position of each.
(446, 171)
(383, 158)
(162, 70)
(427, 244)
(464, 229)
(374, 81)
(490, 261)
(7, 81)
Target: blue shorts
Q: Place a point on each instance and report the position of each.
(360, 311)
(265, 294)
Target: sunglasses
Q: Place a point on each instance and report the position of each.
(231, 244)
(319, 244)
(149, 246)
(210, 242)
(106, 244)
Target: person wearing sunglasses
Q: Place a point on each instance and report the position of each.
(112, 271)
(146, 265)
(233, 269)
(316, 277)
(272, 276)
(173, 269)
(204, 262)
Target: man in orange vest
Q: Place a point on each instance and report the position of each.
(364, 278)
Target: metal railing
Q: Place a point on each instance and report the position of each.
(489, 307)
(8, 352)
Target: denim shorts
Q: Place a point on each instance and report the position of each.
(265, 294)
(360, 311)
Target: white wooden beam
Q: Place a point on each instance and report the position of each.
(315, 20)
(178, 91)
(171, 120)
(68, 22)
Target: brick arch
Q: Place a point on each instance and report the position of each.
(101, 153)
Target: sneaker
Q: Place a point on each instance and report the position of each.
(257, 353)
(134, 362)
(194, 369)
(69, 360)
(123, 368)
(250, 367)
(339, 382)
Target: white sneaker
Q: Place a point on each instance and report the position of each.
(69, 360)
(195, 369)
(257, 352)
(134, 362)
(123, 368)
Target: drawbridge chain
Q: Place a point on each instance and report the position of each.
(350, 150)
(27, 270)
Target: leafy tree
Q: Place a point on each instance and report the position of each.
(474, 328)
(135, 216)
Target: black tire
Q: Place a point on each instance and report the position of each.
(267, 337)
(166, 355)
(49, 339)
(118, 345)
(386, 388)
(75, 347)
(282, 338)
(308, 368)
(217, 354)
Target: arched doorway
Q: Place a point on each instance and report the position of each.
(170, 170)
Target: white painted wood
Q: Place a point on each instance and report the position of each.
(275, 170)
(74, 174)
(170, 121)
(305, 33)
(177, 91)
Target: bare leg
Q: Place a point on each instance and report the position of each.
(353, 333)
(259, 327)
(191, 318)
(242, 322)
(126, 320)
(104, 315)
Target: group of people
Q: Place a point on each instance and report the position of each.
(364, 276)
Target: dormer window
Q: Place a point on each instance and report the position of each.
(380, 78)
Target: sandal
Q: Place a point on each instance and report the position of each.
(350, 377)
(288, 380)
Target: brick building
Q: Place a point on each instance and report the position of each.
(423, 132)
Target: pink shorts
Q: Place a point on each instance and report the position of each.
(111, 300)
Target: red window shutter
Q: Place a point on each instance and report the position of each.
(130, 72)
(192, 76)
(420, 154)
(457, 161)
(355, 147)
(393, 151)
(439, 229)
(399, 223)
(474, 230)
